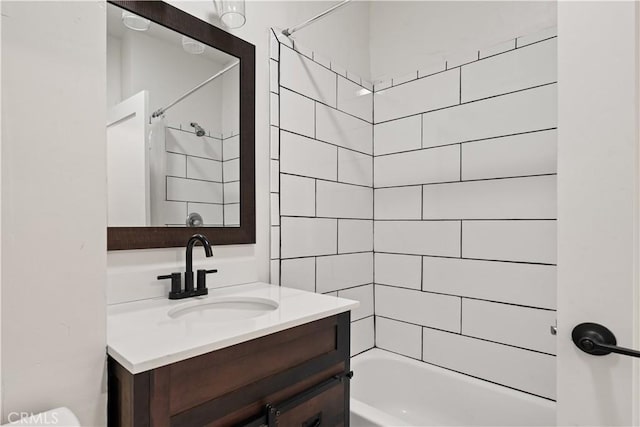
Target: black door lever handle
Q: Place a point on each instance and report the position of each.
(597, 340)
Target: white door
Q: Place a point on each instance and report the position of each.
(128, 163)
(598, 227)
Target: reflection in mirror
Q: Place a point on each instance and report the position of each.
(173, 155)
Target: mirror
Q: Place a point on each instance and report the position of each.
(180, 129)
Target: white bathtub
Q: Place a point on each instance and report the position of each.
(392, 390)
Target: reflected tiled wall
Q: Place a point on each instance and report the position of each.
(322, 182)
(202, 176)
(465, 209)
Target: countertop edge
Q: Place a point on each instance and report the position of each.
(136, 368)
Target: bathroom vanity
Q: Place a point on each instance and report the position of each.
(280, 358)
(245, 355)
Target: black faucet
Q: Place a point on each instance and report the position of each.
(201, 284)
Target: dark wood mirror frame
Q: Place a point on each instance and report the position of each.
(119, 238)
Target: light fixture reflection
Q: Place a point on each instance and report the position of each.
(135, 22)
(192, 46)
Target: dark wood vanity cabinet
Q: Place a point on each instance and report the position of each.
(296, 377)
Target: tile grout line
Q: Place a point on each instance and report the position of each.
(461, 316)
(293, 91)
(463, 258)
(447, 107)
(313, 138)
(469, 297)
(449, 144)
(468, 336)
(469, 375)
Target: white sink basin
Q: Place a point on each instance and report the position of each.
(223, 309)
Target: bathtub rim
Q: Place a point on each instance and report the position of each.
(360, 408)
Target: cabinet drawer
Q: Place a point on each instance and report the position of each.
(325, 409)
(207, 377)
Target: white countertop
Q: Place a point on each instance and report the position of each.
(141, 335)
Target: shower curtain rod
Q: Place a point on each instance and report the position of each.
(161, 111)
(288, 31)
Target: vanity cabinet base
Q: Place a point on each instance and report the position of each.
(298, 377)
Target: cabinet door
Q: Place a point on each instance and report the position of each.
(325, 409)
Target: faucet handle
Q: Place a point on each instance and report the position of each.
(176, 283)
(202, 279)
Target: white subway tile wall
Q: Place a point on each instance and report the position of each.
(398, 203)
(302, 237)
(513, 367)
(298, 113)
(355, 235)
(363, 294)
(526, 111)
(440, 218)
(176, 165)
(464, 217)
(195, 174)
(275, 208)
(232, 214)
(362, 335)
(399, 337)
(205, 169)
(344, 271)
(438, 91)
(518, 155)
(231, 192)
(231, 147)
(355, 99)
(520, 69)
(509, 282)
(419, 308)
(435, 238)
(397, 136)
(299, 273)
(298, 195)
(306, 77)
(275, 275)
(355, 167)
(520, 198)
(338, 200)
(304, 156)
(440, 164)
(324, 144)
(344, 130)
(399, 270)
(192, 190)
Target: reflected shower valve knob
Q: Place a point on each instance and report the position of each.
(194, 220)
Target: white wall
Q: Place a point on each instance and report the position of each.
(408, 35)
(342, 36)
(167, 71)
(1, 393)
(54, 208)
